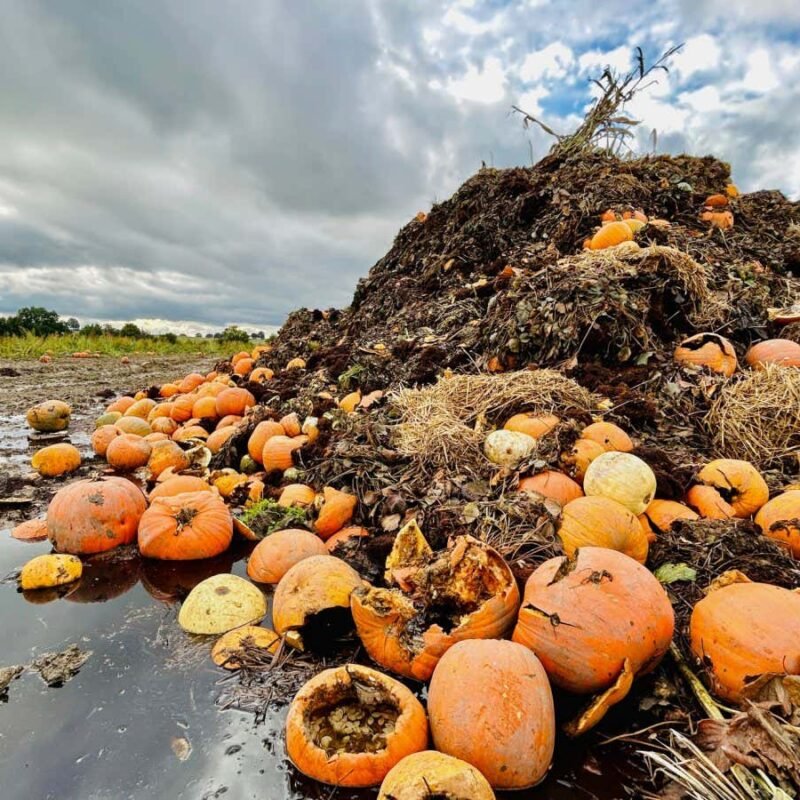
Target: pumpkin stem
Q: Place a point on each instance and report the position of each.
(184, 519)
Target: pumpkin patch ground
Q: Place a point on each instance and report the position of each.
(392, 450)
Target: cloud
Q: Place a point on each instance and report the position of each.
(552, 61)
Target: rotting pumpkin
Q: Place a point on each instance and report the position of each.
(349, 726)
(277, 553)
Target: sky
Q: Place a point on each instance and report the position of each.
(191, 163)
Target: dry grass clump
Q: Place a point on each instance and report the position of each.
(444, 425)
(758, 418)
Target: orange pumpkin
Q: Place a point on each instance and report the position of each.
(128, 452)
(716, 201)
(185, 527)
(609, 215)
(165, 425)
(162, 410)
(228, 420)
(718, 219)
(182, 407)
(344, 535)
(349, 403)
(536, 425)
(318, 751)
(156, 437)
(169, 390)
(744, 630)
(258, 438)
(277, 455)
(121, 404)
(610, 235)
(296, 363)
(553, 485)
(166, 454)
(34, 530)
(141, 408)
(584, 617)
(234, 401)
(261, 375)
(783, 352)
(662, 513)
(291, 424)
(336, 511)
(779, 519)
(276, 554)
(93, 516)
(738, 482)
(609, 436)
(187, 432)
(602, 522)
(56, 459)
(180, 484)
(135, 426)
(205, 408)
(191, 382)
(708, 503)
(237, 357)
(219, 437)
(580, 455)
(102, 437)
(296, 494)
(397, 631)
(244, 367)
(709, 350)
(504, 685)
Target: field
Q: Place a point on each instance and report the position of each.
(30, 346)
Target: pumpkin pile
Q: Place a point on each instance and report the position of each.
(461, 603)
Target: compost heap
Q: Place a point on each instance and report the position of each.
(490, 306)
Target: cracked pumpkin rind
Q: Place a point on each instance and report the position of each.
(744, 630)
(94, 516)
(383, 616)
(584, 617)
(410, 733)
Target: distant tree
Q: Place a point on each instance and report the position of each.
(234, 334)
(9, 326)
(170, 337)
(131, 331)
(92, 329)
(198, 335)
(73, 324)
(209, 336)
(40, 321)
(110, 330)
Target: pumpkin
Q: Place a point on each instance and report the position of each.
(311, 429)
(602, 522)
(744, 630)
(716, 201)
(228, 420)
(296, 363)
(169, 390)
(385, 720)
(261, 433)
(165, 425)
(234, 401)
(166, 454)
(708, 350)
(610, 235)
(779, 519)
(277, 455)
(49, 417)
(259, 350)
(622, 477)
(422, 775)
(344, 535)
(261, 375)
(121, 404)
(102, 438)
(227, 481)
(349, 403)
(634, 224)
(708, 503)
(503, 685)
(34, 530)
(191, 382)
(296, 494)
(180, 484)
(580, 455)
(228, 650)
(135, 426)
(182, 407)
(185, 527)
(205, 408)
(188, 432)
(109, 418)
(783, 352)
(128, 452)
(244, 367)
(56, 459)
(221, 603)
(718, 219)
(276, 554)
(553, 485)
(535, 425)
(160, 411)
(219, 437)
(335, 512)
(508, 448)
(141, 408)
(408, 635)
(662, 513)
(156, 437)
(583, 617)
(92, 516)
(45, 572)
(291, 424)
(609, 436)
(738, 482)
(313, 585)
(609, 215)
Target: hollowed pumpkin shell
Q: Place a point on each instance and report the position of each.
(779, 519)
(503, 685)
(584, 617)
(228, 648)
(709, 350)
(276, 554)
(421, 775)
(336, 511)
(738, 482)
(316, 746)
(744, 630)
(166, 454)
(93, 516)
(708, 503)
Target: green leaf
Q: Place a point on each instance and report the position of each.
(672, 573)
